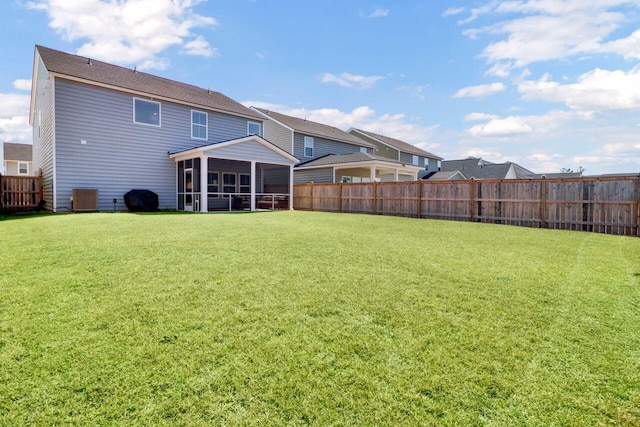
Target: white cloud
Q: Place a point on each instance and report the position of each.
(14, 118)
(552, 30)
(453, 11)
(475, 117)
(22, 84)
(128, 31)
(508, 126)
(379, 13)
(415, 91)
(479, 91)
(350, 80)
(364, 117)
(535, 125)
(200, 47)
(596, 90)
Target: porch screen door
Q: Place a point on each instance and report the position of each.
(188, 190)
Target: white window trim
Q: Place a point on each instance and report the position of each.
(254, 123)
(240, 186)
(206, 126)
(224, 185)
(23, 173)
(159, 113)
(214, 196)
(308, 138)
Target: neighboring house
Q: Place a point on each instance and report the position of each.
(446, 176)
(473, 167)
(329, 155)
(110, 128)
(401, 151)
(477, 168)
(16, 159)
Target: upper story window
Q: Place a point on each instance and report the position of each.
(363, 150)
(426, 163)
(308, 146)
(199, 124)
(146, 112)
(254, 128)
(23, 168)
(416, 160)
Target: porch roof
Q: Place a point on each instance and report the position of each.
(356, 159)
(246, 151)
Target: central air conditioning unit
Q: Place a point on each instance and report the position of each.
(85, 199)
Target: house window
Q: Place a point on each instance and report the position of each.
(213, 184)
(199, 126)
(146, 112)
(439, 165)
(308, 146)
(363, 150)
(228, 182)
(346, 179)
(426, 164)
(416, 160)
(254, 128)
(23, 168)
(245, 183)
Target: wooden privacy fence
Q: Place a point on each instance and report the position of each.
(20, 193)
(599, 204)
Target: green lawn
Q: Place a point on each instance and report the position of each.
(296, 318)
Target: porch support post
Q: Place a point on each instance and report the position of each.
(204, 175)
(373, 173)
(290, 187)
(395, 175)
(253, 185)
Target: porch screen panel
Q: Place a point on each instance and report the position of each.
(196, 175)
(180, 179)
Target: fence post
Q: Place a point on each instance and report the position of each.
(543, 202)
(375, 197)
(638, 218)
(1, 193)
(311, 194)
(419, 198)
(340, 197)
(472, 197)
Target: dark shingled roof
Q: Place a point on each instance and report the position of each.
(481, 169)
(18, 152)
(320, 130)
(400, 145)
(92, 70)
(335, 159)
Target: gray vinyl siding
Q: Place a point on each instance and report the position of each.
(323, 175)
(322, 147)
(43, 132)
(120, 155)
(278, 135)
(381, 150)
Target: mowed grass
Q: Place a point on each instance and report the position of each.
(296, 318)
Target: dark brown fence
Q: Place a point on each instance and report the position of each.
(20, 193)
(599, 204)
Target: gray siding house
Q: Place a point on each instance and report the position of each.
(113, 129)
(16, 159)
(328, 154)
(401, 151)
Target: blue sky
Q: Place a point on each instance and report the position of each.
(548, 84)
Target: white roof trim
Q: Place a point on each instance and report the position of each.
(388, 165)
(271, 118)
(211, 147)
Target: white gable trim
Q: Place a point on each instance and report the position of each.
(367, 163)
(267, 116)
(199, 151)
